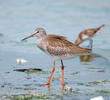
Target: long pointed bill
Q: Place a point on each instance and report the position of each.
(28, 37)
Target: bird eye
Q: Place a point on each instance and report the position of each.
(37, 31)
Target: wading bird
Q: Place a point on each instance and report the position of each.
(87, 35)
(57, 47)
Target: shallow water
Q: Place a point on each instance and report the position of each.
(19, 19)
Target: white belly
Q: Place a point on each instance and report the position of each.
(65, 57)
(85, 37)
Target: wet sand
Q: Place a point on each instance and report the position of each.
(87, 78)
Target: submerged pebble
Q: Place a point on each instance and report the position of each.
(68, 89)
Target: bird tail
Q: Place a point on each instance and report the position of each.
(86, 51)
(100, 27)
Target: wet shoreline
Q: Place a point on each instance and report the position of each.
(84, 87)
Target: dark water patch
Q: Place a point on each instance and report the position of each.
(39, 85)
(85, 63)
(105, 92)
(6, 85)
(28, 77)
(2, 86)
(18, 88)
(74, 73)
(29, 88)
(32, 70)
(95, 83)
(5, 73)
(80, 83)
(1, 35)
(27, 85)
(92, 68)
(97, 69)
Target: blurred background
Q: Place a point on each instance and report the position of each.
(87, 75)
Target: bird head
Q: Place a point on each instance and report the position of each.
(39, 32)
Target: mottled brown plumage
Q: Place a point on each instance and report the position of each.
(59, 46)
(56, 45)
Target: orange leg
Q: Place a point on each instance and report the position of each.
(63, 84)
(48, 83)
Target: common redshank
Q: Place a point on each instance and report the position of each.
(57, 47)
(87, 35)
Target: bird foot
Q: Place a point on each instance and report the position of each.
(47, 83)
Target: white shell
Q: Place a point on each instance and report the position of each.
(97, 98)
(20, 61)
(69, 88)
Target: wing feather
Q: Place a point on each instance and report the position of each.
(60, 46)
